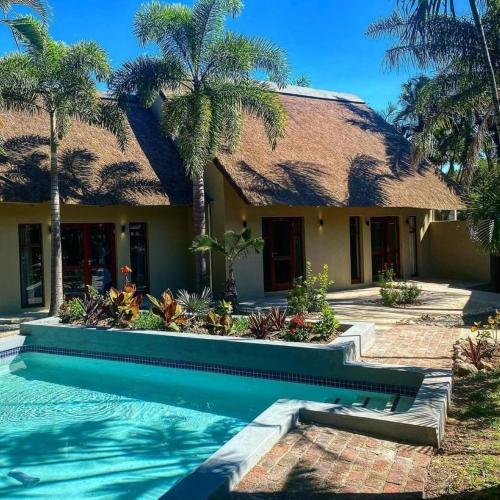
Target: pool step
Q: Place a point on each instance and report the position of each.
(373, 403)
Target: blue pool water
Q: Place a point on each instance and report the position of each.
(91, 428)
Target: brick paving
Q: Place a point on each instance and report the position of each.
(318, 462)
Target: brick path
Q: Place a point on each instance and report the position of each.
(317, 462)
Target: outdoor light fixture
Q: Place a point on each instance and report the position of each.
(321, 222)
(407, 221)
(367, 221)
(124, 229)
(50, 229)
(244, 223)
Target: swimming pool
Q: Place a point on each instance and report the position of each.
(98, 428)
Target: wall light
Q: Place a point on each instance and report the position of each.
(367, 221)
(244, 223)
(124, 229)
(50, 229)
(321, 222)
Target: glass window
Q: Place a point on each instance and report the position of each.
(138, 235)
(355, 244)
(31, 260)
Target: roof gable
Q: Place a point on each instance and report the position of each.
(335, 152)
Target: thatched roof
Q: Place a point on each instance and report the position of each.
(336, 152)
(93, 169)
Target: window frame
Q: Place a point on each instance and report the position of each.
(359, 248)
(22, 247)
(147, 287)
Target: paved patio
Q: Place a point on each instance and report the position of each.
(363, 304)
(316, 462)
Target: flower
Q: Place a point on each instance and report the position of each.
(125, 270)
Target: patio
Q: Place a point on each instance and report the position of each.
(364, 304)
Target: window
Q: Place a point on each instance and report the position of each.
(31, 264)
(355, 242)
(412, 245)
(138, 235)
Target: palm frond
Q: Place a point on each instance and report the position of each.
(205, 243)
(38, 6)
(87, 58)
(146, 76)
(26, 30)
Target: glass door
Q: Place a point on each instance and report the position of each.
(385, 244)
(283, 255)
(89, 257)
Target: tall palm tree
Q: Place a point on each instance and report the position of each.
(59, 80)
(416, 22)
(205, 74)
(22, 27)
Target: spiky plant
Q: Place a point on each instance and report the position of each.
(59, 80)
(205, 73)
(22, 26)
(195, 304)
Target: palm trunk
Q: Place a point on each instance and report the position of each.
(486, 54)
(56, 284)
(199, 228)
(231, 292)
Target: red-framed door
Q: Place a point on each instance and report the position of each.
(283, 252)
(89, 257)
(385, 244)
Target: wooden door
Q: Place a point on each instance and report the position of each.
(283, 255)
(89, 257)
(385, 244)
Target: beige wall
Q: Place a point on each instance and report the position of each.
(323, 245)
(454, 256)
(169, 233)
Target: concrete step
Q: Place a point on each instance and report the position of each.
(9, 327)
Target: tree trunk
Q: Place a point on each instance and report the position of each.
(231, 292)
(487, 59)
(199, 228)
(56, 284)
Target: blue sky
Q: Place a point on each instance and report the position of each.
(323, 38)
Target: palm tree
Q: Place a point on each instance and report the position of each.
(205, 74)
(233, 246)
(59, 80)
(417, 22)
(22, 27)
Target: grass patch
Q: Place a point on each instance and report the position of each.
(468, 464)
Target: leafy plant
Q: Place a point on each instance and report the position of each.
(297, 297)
(233, 245)
(260, 325)
(390, 296)
(71, 311)
(124, 305)
(195, 304)
(168, 310)
(219, 324)
(298, 330)
(386, 276)
(224, 307)
(147, 321)
(240, 325)
(327, 325)
(277, 318)
(316, 288)
(477, 350)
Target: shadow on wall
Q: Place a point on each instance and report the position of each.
(27, 177)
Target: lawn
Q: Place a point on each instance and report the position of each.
(468, 464)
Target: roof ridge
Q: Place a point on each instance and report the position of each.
(329, 95)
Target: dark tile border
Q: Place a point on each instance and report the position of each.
(227, 370)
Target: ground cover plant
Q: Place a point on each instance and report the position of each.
(197, 313)
(397, 293)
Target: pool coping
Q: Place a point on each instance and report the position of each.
(422, 424)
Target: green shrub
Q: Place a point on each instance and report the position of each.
(147, 321)
(71, 311)
(309, 295)
(297, 298)
(400, 294)
(327, 325)
(240, 325)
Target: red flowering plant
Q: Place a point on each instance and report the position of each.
(298, 330)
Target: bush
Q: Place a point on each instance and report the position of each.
(328, 324)
(147, 321)
(240, 325)
(71, 311)
(400, 293)
(309, 295)
(195, 304)
(298, 330)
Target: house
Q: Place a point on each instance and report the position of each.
(339, 189)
